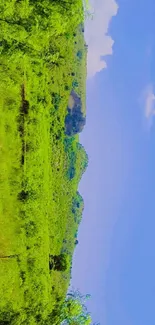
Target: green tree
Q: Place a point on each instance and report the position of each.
(74, 312)
(75, 294)
(59, 262)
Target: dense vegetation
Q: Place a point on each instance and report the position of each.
(42, 64)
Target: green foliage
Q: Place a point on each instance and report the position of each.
(56, 99)
(38, 67)
(59, 262)
(75, 84)
(77, 208)
(77, 158)
(74, 310)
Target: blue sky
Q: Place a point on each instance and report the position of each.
(115, 258)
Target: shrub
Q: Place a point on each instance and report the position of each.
(30, 229)
(58, 262)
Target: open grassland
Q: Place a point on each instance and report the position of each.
(40, 166)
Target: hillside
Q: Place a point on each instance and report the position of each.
(42, 62)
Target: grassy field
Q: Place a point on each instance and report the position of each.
(40, 167)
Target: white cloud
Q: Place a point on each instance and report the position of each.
(96, 33)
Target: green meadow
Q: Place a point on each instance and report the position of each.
(42, 60)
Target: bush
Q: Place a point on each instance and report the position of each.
(23, 195)
(30, 229)
(58, 262)
(56, 98)
(75, 83)
(79, 54)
